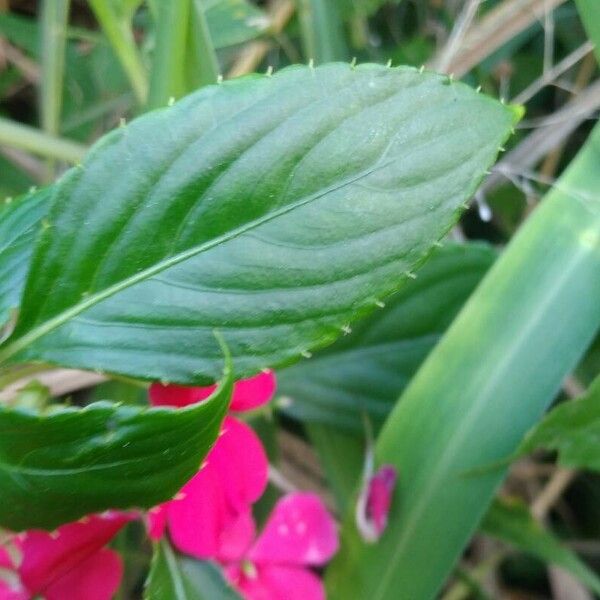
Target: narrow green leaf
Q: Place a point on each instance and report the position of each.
(484, 385)
(573, 430)
(323, 36)
(116, 25)
(365, 370)
(175, 578)
(60, 465)
(202, 64)
(20, 222)
(275, 209)
(511, 522)
(184, 56)
(590, 15)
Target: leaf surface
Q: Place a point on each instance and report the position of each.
(573, 430)
(60, 465)
(366, 370)
(275, 209)
(20, 221)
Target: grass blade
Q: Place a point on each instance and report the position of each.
(118, 31)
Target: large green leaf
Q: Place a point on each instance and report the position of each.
(176, 578)
(63, 464)
(511, 522)
(483, 386)
(573, 430)
(275, 209)
(365, 371)
(20, 221)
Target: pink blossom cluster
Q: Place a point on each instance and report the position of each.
(211, 518)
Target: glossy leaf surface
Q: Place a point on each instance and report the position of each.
(20, 222)
(275, 209)
(60, 465)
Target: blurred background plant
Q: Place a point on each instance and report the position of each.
(72, 70)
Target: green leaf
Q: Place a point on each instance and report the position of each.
(490, 378)
(275, 209)
(573, 430)
(176, 578)
(60, 465)
(20, 221)
(365, 371)
(511, 522)
(232, 22)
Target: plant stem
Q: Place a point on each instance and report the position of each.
(33, 140)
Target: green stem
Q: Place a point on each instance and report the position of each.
(119, 33)
(55, 16)
(184, 58)
(33, 140)
(322, 30)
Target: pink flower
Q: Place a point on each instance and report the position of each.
(374, 503)
(215, 505)
(299, 534)
(69, 563)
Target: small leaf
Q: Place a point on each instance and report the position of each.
(511, 522)
(275, 209)
(176, 578)
(366, 370)
(58, 466)
(573, 430)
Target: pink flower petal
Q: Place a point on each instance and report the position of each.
(47, 557)
(96, 578)
(12, 592)
(275, 582)
(178, 395)
(211, 518)
(299, 531)
(253, 392)
(157, 521)
(374, 504)
(10, 585)
(379, 499)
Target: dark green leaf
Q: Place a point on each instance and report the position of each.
(176, 578)
(366, 370)
(275, 209)
(20, 222)
(573, 430)
(65, 463)
(511, 522)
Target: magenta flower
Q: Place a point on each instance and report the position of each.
(69, 563)
(213, 508)
(299, 534)
(374, 503)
